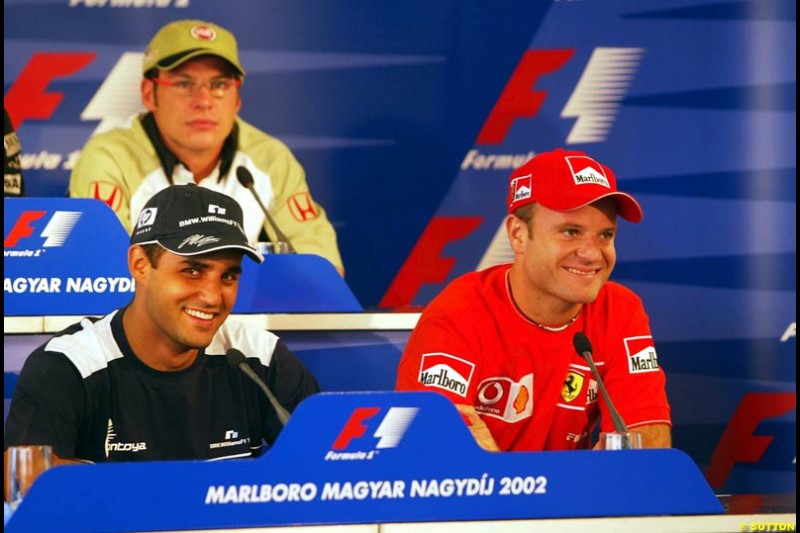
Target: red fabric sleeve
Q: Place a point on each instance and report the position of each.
(632, 376)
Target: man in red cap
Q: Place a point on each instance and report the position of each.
(499, 342)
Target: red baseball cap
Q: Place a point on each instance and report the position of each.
(565, 181)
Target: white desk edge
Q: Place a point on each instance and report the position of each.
(272, 322)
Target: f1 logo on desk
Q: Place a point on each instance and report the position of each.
(55, 232)
(389, 431)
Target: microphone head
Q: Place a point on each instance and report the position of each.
(244, 176)
(581, 343)
(234, 356)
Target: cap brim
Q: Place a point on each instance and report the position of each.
(173, 245)
(627, 206)
(173, 61)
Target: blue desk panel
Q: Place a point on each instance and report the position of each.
(57, 261)
(366, 458)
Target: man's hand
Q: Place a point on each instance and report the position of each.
(655, 435)
(478, 428)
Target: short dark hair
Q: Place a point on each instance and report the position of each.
(154, 252)
(230, 70)
(525, 214)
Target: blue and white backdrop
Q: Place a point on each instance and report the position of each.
(409, 116)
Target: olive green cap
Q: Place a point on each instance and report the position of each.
(182, 40)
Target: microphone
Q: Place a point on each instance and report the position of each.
(237, 360)
(246, 180)
(584, 349)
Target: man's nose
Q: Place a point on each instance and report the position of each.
(202, 95)
(211, 293)
(589, 250)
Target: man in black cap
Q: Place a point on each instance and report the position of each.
(151, 381)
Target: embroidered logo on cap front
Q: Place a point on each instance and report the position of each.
(203, 32)
(521, 187)
(147, 217)
(586, 170)
(198, 241)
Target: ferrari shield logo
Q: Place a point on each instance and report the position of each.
(572, 386)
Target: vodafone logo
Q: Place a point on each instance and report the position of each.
(356, 434)
(506, 399)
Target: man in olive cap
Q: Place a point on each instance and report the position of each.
(191, 133)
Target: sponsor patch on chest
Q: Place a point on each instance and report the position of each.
(572, 386)
(447, 372)
(641, 354)
(506, 399)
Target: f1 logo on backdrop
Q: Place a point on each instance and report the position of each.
(594, 102)
(54, 232)
(357, 440)
(29, 98)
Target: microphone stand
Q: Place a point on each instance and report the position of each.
(246, 180)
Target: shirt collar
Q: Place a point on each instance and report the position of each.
(169, 160)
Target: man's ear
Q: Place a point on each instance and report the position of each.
(138, 263)
(147, 90)
(517, 230)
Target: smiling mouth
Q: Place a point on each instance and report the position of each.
(199, 314)
(581, 272)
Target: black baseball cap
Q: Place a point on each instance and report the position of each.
(190, 220)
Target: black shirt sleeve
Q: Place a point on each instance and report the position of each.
(47, 405)
(290, 381)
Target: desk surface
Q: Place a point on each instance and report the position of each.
(743, 512)
(652, 524)
(746, 504)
